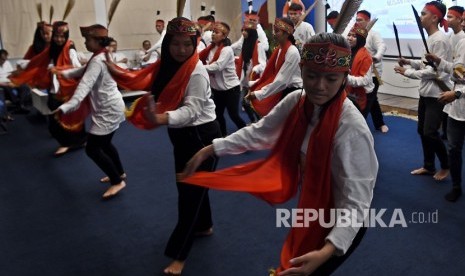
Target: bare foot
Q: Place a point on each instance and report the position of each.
(422, 171)
(205, 233)
(114, 190)
(384, 129)
(106, 179)
(61, 150)
(175, 268)
(441, 174)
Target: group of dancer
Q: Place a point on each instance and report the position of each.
(310, 102)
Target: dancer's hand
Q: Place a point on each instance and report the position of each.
(250, 96)
(195, 162)
(310, 261)
(447, 97)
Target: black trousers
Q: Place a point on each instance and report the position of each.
(64, 137)
(20, 96)
(229, 100)
(194, 212)
(373, 106)
(333, 263)
(455, 139)
(429, 122)
(100, 149)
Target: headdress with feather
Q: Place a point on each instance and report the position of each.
(39, 11)
(111, 12)
(68, 8)
(349, 8)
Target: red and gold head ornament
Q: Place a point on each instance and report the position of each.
(251, 15)
(60, 27)
(181, 26)
(357, 29)
(326, 57)
(249, 25)
(434, 10)
(94, 31)
(283, 26)
(220, 27)
(45, 26)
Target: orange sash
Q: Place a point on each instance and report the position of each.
(275, 179)
(272, 68)
(170, 98)
(360, 67)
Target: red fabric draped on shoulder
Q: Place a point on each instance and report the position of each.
(203, 55)
(137, 80)
(271, 70)
(169, 99)
(36, 73)
(275, 179)
(360, 67)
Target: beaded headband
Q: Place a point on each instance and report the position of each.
(94, 31)
(357, 29)
(60, 27)
(220, 27)
(180, 26)
(326, 57)
(283, 26)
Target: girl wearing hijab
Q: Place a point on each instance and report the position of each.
(180, 97)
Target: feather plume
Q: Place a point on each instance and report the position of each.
(51, 14)
(111, 12)
(68, 8)
(180, 7)
(349, 8)
(39, 11)
(371, 24)
(307, 12)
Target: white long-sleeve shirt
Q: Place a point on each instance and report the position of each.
(303, 32)
(456, 109)
(5, 71)
(376, 46)
(197, 106)
(257, 69)
(438, 44)
(107, 105)
(237, 46)
(222, 71)
(288, 76)
(354, 165)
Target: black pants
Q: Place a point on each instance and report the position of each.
(194, 212)
(229, 100)
(253, 116)
(100, 149)
(429, 122)
(373, 106)
(64, 137)
(333, 263)
(455, 139)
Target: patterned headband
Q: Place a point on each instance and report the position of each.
(326, 57)
(283, 26)
(249, 25)
(94, 31)
(220, 27)
(180, 26)
(357, 29)
(60, 27)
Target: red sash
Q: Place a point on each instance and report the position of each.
(203, 55)
(272, 68)
(169, 99)
(275, 179)
(360, 67)
(240, 62)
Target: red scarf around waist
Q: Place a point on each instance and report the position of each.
(275, 179)
(171, 96)
(272, 68)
